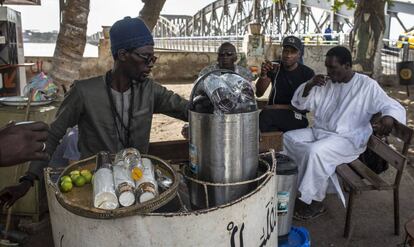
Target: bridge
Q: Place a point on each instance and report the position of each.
(226, 20)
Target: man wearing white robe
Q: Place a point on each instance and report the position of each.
(343, 106)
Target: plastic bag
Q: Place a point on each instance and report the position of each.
(42, 88)
(244, 92)
(219, 93)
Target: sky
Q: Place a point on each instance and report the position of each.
(102, 13)
(46, 17)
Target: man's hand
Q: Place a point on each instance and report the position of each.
(9, 195)
(267, 67)
(184, 131)
(384, 126)
(264, 80)
(317, 80)
(23, 142)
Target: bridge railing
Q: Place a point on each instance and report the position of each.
(390, 53)
(211, 43)
(197, 44)
(314, 39)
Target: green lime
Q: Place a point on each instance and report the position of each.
(87, 175)
(66, 179)
(79, 181)
(77, 172)
(74, 174)
(66, 186)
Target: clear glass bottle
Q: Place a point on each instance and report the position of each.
(147, 187)
(132, 161)
(124, 184)
(104, 196)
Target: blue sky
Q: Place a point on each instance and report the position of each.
(102, 12)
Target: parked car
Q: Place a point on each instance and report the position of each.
(406, 37)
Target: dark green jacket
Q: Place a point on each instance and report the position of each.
(87, 105)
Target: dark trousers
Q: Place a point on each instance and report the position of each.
(280, 120)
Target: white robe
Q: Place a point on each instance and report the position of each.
(340, 132)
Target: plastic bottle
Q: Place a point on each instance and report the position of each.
(219, 93)
(103, 183)
(124, 184)
(147, 187)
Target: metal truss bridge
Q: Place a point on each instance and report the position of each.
(226, 20)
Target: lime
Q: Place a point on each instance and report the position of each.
(79, 181)
(77, 172)
(66, 186)
(87, 175)
(74, 174)
(66, 179)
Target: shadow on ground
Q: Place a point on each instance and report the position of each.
(372, 218)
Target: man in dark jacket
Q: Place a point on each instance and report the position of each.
(285, 77)
(113, 111)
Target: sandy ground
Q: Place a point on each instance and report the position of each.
(165, 128)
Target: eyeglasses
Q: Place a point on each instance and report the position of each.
(228, 53)
(148, 59)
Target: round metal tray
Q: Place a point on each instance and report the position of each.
(22, 101)
(79, 200)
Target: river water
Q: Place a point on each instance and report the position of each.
(47, 50)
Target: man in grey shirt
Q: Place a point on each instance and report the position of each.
(113, 111)
(226, 59)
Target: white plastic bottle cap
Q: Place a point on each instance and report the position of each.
(146, 196)
(106, 200)
(109, 205)
(127, 198)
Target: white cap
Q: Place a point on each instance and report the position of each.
(126, 198)
(146, 196)
(105, 200)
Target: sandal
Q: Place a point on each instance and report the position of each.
(306, 212)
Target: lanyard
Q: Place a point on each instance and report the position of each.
(115, 114)
(286, 77)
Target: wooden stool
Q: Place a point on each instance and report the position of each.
(409, 230)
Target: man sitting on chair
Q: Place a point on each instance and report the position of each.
(285, 77)
(343, 103)
(226, 59)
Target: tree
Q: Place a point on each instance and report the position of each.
(70, 43)
(367, 33)
(71, 40)
(151, 11)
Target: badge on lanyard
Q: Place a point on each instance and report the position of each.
(298, 116)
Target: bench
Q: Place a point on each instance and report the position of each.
(357, 177)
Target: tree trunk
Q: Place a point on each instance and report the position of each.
(366, 37)
(151, 11)
(70, 44)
